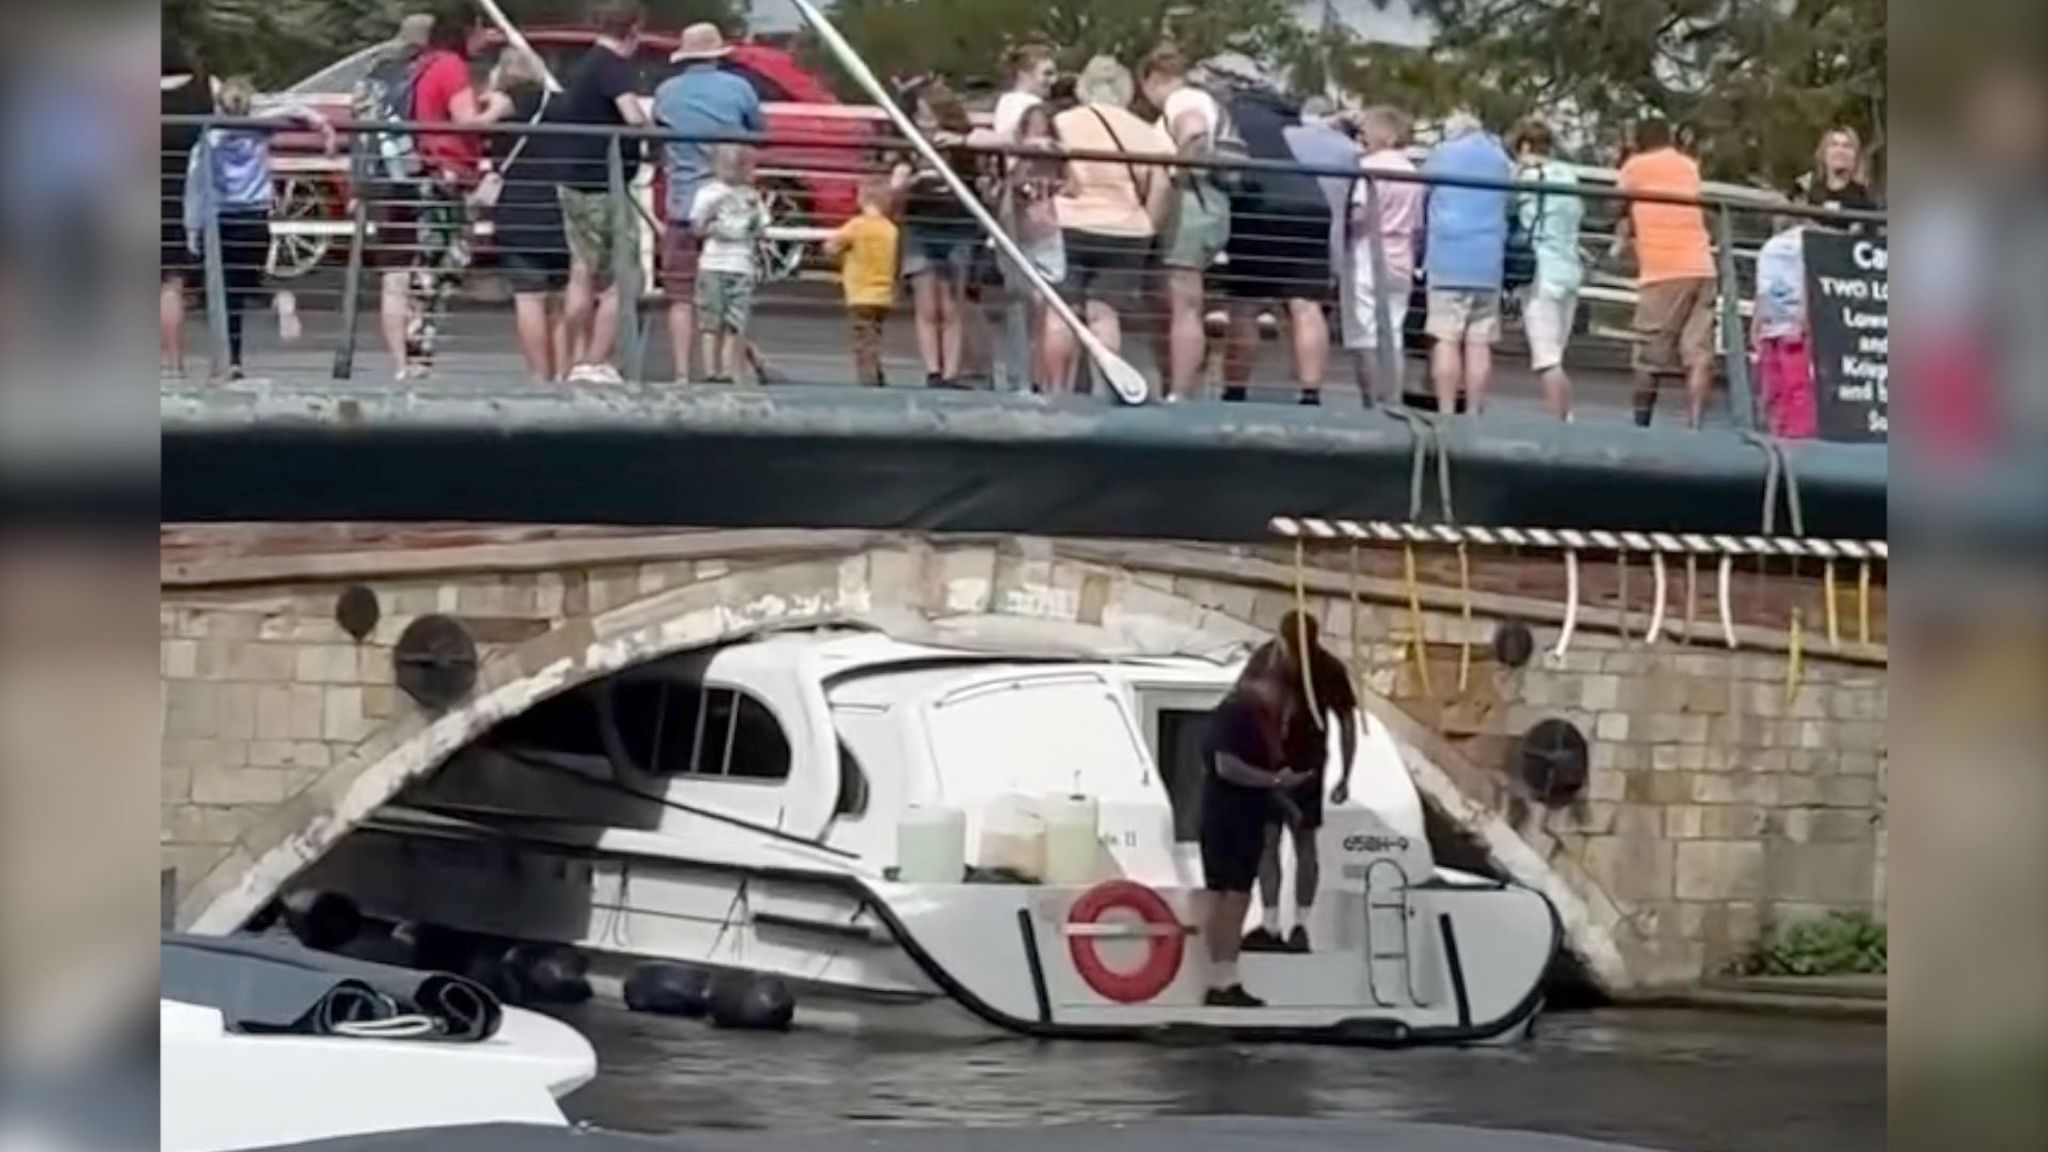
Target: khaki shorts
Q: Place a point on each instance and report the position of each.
(1197, 229)
(1361, 314)
(1675, 325)
(592, 220)
(1547, 320)
(1464, 315)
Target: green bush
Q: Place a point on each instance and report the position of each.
(1838, 944)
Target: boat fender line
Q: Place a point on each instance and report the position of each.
(668, 990)
(746, 1000)
(1571, 606)
(1166, 941)
(1660, 590)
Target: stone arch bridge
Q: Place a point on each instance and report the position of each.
(1721, 795)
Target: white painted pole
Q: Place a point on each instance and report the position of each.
(517, 39)
(1127, 382)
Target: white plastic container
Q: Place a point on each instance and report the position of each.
(931, 845)
(1012, 838)
(1073, 840)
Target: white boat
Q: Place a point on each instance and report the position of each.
(779, 806)
(226, 1087)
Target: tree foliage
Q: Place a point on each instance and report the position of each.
(278, 41)
(965, 39)
(1755, 82)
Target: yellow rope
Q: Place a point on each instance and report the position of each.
(1465, 610)
(1827, 582)
(1415, 620)
(1308, 682)
(1863, 604)
(1793, 655)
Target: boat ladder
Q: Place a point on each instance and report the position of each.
(1387, 968)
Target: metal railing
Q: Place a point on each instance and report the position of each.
(411, 272)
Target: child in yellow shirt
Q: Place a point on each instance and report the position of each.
(866, 247)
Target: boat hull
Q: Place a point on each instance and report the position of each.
(1443, 961)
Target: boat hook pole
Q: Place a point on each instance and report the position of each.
(1128, 383)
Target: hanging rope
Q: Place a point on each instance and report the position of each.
(1415, 621)
(1301, 643)
(1659, 590)
(1827, 587)
(1863, 604)
(1793, 643)
(1465, 614)
(1621, 594)
(1692, 589)
(1358, 664)
(1724, 549)
(1571, 606)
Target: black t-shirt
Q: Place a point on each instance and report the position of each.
(590, 95)
(1234, 728)
(1854, 196)
(1306, 749)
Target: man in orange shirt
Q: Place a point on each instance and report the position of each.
(1675, 283)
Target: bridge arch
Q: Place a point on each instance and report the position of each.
(1026, 590)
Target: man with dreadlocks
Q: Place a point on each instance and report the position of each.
(1325, 698)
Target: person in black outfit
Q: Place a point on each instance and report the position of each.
(939, 234)
(1838, 181)
(1334, 701)
(1279, 252)
(1244, 778)
(532, 247)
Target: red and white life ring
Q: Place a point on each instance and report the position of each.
(1165, 935)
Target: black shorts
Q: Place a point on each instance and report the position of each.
(1233, 840)
(1308, 798)
(1277, 256)
(1109, 270)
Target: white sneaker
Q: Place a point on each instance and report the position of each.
(595, 374)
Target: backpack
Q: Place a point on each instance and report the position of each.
(1520, 267)
(1228, 145)
(385, 95)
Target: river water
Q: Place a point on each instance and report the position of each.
(1678, 1080)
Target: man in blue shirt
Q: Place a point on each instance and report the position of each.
(700, 101)
(1465, 260)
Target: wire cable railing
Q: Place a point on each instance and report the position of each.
(415, 278)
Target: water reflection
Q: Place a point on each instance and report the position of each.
(1676, 1080)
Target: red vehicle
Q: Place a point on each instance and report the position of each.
(810, 167)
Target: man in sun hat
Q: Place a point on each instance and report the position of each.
(701, 100)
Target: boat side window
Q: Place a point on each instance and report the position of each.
(853, 785)
(1182, 732)
(656, 723)
(566, 723)
(722, 732)
(637, 717)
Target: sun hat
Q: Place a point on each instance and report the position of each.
(701, 42)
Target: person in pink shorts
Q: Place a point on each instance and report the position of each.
(1778, 335)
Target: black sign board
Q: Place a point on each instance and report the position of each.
(1848, 310)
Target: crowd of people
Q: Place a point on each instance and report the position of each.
(1146, 222)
